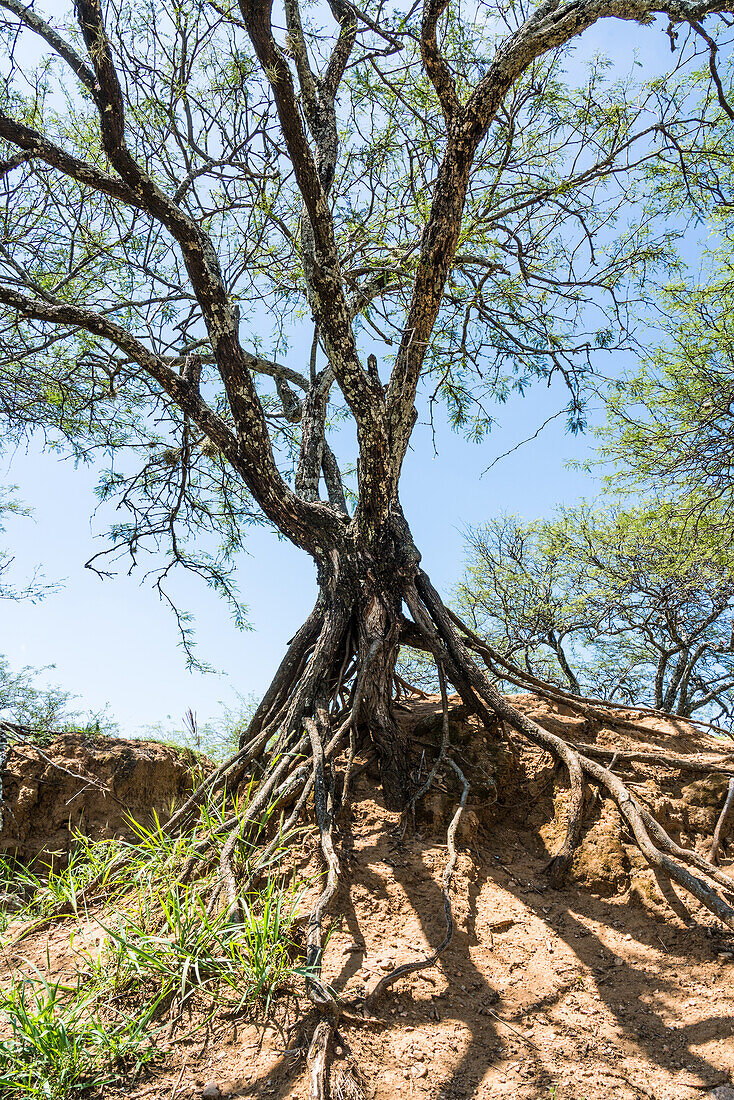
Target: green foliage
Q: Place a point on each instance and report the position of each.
(565, 239)
(32, 589)
(670, 426)
(47, 887)
(161, 933)
(61, 1045)
(630, 605)
(44, 711)
(164, 947)
(238, 964)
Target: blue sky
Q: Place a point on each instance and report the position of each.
(113, 642)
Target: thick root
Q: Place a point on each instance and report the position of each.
(716, 842)
(318, 1061)
(576, 763)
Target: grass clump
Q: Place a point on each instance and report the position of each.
(169, 940)
(61, 1043)
(169, 945)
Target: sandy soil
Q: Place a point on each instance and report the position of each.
(610, 987)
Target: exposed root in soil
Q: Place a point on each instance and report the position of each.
(334, 693)
(723, 818)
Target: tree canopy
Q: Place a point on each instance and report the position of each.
(670, 426)
(633, 605)
(470, 262)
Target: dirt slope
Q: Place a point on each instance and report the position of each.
(90, 784)
(609, 987)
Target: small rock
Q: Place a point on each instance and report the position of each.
(210, 1091)
(419, 1071)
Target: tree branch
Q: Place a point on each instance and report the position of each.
(172, 383)
(40, 27)
(325, 282)
(306, 524)
(36, 145)
(552, 25)
(434, 62)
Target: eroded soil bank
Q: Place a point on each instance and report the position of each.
(612, 986)
(90, 784)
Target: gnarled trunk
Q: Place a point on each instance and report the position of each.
(347, 649)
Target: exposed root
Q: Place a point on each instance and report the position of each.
(701, 762)
(403, 689)
(663, 860)
(352, 719)
(457, 653)
(716, 842)
(317, 1061)
(332, 692)
(324, 809)
(686, 855)
(289, 671)
(346, 1085)
(591, 707)
(443, 749)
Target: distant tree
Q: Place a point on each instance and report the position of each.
(35, 712)
(26, 708)
(33, 587)
(632, 606)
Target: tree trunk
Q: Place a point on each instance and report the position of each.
(369, 579)
(378, 634)
(348, 647)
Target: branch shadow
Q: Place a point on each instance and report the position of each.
(458, 1003)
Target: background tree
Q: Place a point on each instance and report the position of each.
(670, 424)
(32, 588)
(633, 606)
(196, 192)
(38, 714)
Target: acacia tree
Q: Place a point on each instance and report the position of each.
(428, 184)
(628, 605)
(671, 423)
